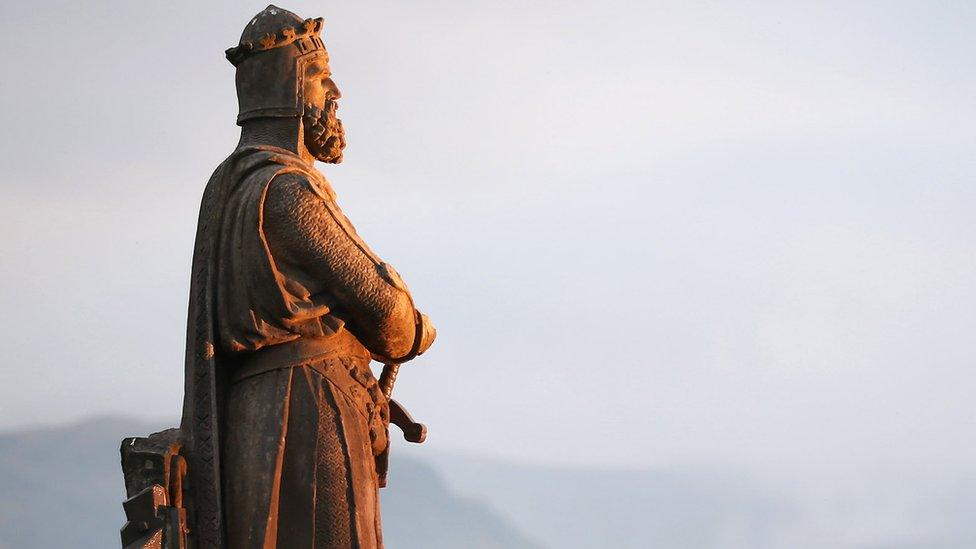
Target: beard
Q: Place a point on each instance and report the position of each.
(324, 136)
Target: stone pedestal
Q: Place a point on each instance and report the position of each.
(154, 475)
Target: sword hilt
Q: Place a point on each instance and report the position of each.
(388, 379)
(412, 431)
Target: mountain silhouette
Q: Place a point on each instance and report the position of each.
(62, 486)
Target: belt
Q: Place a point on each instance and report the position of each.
(298, 352)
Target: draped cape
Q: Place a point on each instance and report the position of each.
(231, 257)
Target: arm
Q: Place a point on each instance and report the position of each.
(304, 235)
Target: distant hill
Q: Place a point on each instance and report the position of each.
(62, 487)
(577, 508)
(722, 508)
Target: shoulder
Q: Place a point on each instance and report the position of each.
(291, 187)
(287, 194)
(300, 183)
(289, 183)
(296, 197)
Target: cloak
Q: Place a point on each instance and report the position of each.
(230, 252)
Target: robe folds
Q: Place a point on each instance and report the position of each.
(283, 456)
(299, 473)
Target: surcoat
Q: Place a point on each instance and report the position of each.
(278, 445)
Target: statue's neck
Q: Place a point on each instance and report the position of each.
(284, 133)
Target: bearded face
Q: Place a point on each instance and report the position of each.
(324, 136)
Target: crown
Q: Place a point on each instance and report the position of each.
(306, 40)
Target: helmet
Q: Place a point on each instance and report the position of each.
(270, 59)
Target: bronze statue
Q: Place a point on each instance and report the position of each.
(284, 437)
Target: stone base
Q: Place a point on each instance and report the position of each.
(154, 474)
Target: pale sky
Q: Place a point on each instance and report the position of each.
(648, 232)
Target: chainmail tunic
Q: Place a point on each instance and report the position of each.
(299, 441)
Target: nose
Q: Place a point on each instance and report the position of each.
(332, 91)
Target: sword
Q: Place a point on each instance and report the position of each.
(412, 431)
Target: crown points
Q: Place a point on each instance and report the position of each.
(268, 41)
(272, 40)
